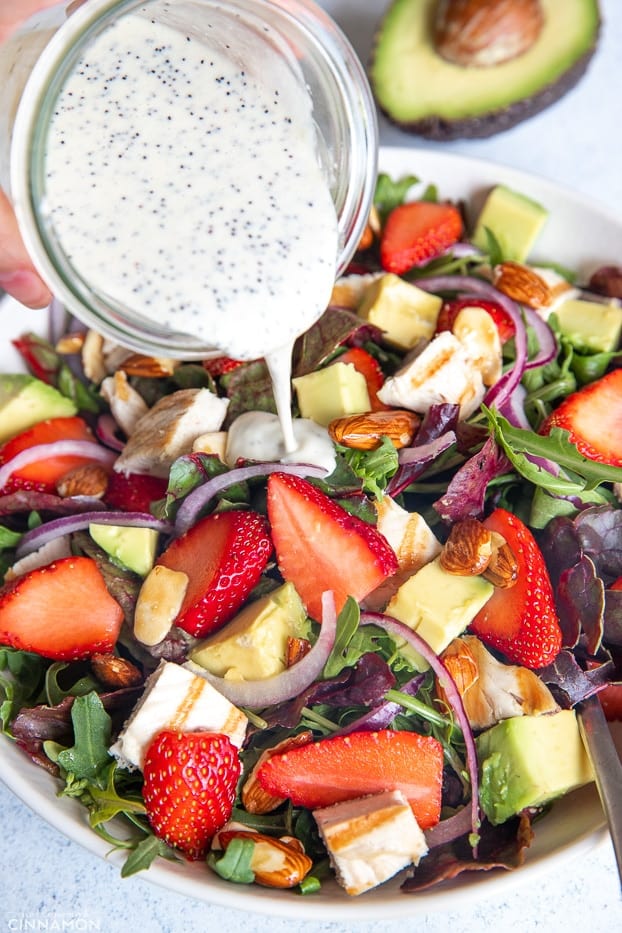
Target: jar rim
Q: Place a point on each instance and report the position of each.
(335, 63)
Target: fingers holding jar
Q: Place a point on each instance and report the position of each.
(17, 273)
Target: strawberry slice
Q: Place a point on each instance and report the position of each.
(321, 547)
(224, 556)
(450, 310)
(521, 621)
(61, 611)
(593, 416)
(344, 767)
(43, 475)
(190, 782)
(416, 232)
(369, 367)
(134, 492)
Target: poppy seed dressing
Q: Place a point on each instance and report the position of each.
(182, 181)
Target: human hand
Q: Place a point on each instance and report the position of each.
(18, 276)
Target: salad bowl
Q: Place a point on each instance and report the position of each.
(578, 235)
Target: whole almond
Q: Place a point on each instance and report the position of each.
(468, 549)
(365, 431)
(90, 479)
(115, 672)
(502, 569)
(275, 862)
(481, 33)
(522, 284)
(150, 366)
(254, 797)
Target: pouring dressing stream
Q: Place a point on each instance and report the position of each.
(193, 164)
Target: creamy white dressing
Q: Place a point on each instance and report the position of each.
(257, 435)
(183, 184)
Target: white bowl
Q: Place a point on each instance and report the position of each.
(579, 235)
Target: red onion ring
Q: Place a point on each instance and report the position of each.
(453, 696)
(196, 500)
(87, 449)
(37, 537)
(450, 829)
(106, 430)
(259, 694)
(545, 337)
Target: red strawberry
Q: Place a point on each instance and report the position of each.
(593, 416)
(369, 367)
(343, 767)
(611, 701)
(62, 611)
(224, 556)
(416, 232)
(450, 310)
(44, 474)
(134, 492)
(320, 546)
(190, 782)
(220, 365)
(521, 621)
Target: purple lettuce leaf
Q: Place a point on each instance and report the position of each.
(466, 493)
(569, 683)
(613, 618)
(580, 600)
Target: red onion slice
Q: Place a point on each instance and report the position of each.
(90, 450)
(196, 500)
(450, 829)
(106, 430)
(545, 337)
(37, 537)
(259, 694)
(451, 691)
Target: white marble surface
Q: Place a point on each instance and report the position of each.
(49, 883)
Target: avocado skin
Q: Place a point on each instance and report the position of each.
(484, 125)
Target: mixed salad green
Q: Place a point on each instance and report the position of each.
(361, 665)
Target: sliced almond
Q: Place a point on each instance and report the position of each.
(159, 601)
(522, 284)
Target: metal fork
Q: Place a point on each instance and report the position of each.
(607, 767)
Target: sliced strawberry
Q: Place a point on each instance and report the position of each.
(450, 310)
(611, 701)
(224, 556)
(370, 368)
(343, 767)
(61, 611)
(416, 232)
(43, 475)
(321, 547)
(520, 621)
(593, 416)
(190, 782)
(220, 365)
(134, 492)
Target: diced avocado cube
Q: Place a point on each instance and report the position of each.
(405, 313)
(589, 325)
(438, 606)
(24, 401)
(514, 220)
(133, 548)
(253, 646)
(332, 392)
(526, 761)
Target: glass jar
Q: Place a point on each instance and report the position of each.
(315, 58)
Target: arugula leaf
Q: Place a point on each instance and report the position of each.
(347, 626)
(108, 803)
(374, 467)
(8, 538)
(88, 758)
(516, 443)
(55, 692)
(144, 854)
(21, 677)
(391, 193)
(235, 864)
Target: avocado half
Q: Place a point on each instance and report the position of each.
(425, 94)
